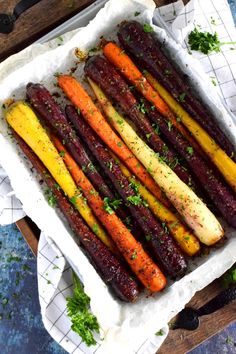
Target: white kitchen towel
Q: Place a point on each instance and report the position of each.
(54, 273)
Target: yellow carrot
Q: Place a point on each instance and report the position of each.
(24, 122)
(186, 240)
(196, 214)
(221, 160)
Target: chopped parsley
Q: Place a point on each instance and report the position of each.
(83, 321)
(137, 13)
(78, 111)
(169, 123)
(205, 42)
(182, 97)
(159, 333)
(62, 153)
(119, 143)
(50, 198)
(95, 228)
(135, 199)
(134, 255)
(148, 136)
(147, 28)
(111, 205)
(229, 277)
(141, 106)
(189, 150)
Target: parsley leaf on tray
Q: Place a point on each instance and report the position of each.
(205, 42)
(83, 321)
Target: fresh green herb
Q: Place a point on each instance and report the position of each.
(120, 121)
(228, 340)
(60, 38)
(205, 42)
(83, 321)
(182, 97)
(189, 150)
(167, 72)
(213, 80)
(50, 198)
(73, 200)
(229, 277)
(127, 221)
(213, 21)
(148, 237)
(119, 143)
(62, 153)
(165, 228)
(147, 28)
(95, 228)
(173, 224)
(110, 165)
(78, 111)
(135, 199)
(148, 136)
(134, 255)
(187, 238)
(111, 205)
(25, 267)
(135, 186)
(137, 13)
(91, 167)
(159, 333)
(169, 123)
(141, 106)
(12, 258)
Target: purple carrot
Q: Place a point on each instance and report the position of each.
(218, 191)
(101, 71)
(108, 266)
(159, 242)
(148, 53)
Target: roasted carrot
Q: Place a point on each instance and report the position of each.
(184, 237)
(23, 120)
(91, 113)
(196, 214)
(111, 270)
(121, 61)
(111, 222)
(160, 244)
(149, 54)
(221, 160)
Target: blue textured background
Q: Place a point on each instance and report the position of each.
(21, 328)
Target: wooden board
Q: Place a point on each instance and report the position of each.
(34, 23)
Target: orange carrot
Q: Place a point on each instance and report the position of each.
(142, 265)
(94, 117)
(122, 61)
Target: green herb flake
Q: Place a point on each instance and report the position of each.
(147, 28)
(182, 97)
(189, 150)
(169, 123)
(205, 42)
(111, 205)
(148, 237)
(148, 136)
(83, 321)
(50, 198)
(78, 111)
(62, 153)
(134, 255)
(135, 200)
(95, 228)
(137, 13)
(160, 333)
(119, 143)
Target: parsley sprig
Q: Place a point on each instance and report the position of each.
(83, 321)
(205, 42)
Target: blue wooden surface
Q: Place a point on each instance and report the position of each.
(21, 328)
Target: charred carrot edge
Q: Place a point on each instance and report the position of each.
(160, 244)
(81, 100)
(124, 240)
(112, 272)
(186, 240)
(122, 61)
(221, 160)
